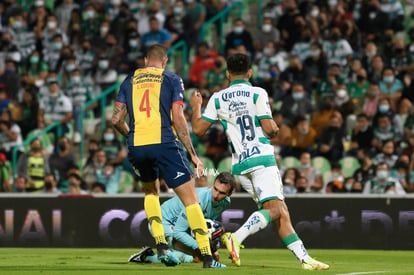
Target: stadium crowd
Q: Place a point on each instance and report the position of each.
(339, 75)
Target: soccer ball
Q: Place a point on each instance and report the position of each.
(212, 226)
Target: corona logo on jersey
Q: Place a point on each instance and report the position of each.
(232, 94)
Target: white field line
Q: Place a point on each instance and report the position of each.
(368, 272)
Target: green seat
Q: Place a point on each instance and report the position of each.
(126, 182)
(289, 162)
(224, 165)
(349, 165)
(322, 164)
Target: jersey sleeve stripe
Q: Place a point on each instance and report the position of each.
(264, 117)
(178, 102)
(208, 119)
(217, 103)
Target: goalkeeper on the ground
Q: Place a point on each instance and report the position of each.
(213, 201)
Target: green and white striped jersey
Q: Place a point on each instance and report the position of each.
(240, 108)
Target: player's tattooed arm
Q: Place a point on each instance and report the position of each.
(118, 118)
(181, 128)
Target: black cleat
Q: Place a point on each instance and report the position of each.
(140, 256)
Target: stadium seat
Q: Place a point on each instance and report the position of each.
(224, 165)
(349, 165)
(322, 164)
(288, 162)
(126, 183)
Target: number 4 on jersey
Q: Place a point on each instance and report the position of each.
(145, 106)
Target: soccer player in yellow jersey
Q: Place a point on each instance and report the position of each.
(152, 97)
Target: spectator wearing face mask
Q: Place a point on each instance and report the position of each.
(385, 131)
(50, 186)
(79, 92)
(361, 135)
(391, 87)
(62, 160)
(337, 49)
(109, 175)
(303, 139)
(90, 171)
(267, 33)
(55, 107)
(114, 150)
(239, 36)
(296, 104)
(383, 183)
(316, 64)
(384, 107)
(34, 166)
(401, 60)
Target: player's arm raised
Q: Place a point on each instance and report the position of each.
(118, 118)
(199, 126)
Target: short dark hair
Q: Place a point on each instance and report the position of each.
(238, 63)
(227, 178)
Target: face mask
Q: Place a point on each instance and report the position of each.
(388, 79)
(17, 25)
(370, 54)
(372, 94)
(335, 37)
(48, 184)
(103, 64)
(51, 79)
(341, 93)
(348, 186)
(54, 95)
(360, 78)
(57, 45)
(382, 174)
(91, 151)
(36, 148)
(51, 25)
(109, 137)
(303, 132)
(177, 10)
(267, 51)
(90, 14)
(238, 30)
(70, 67)
(315, 53)
(305, 166)
(76, 79)
(314, 12)
(34, 59)
(62, 146)
(218, 64)
(266, 28)
(116, 2)
(383, 108)
(133, 43)
(189, 1)
(297, 96)
(103, 31)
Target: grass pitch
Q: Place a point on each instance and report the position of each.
(253, 261)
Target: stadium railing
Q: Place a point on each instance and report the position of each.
(220, 17)
(179, 49)
(102, 99)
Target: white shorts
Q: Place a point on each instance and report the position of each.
(263, 184)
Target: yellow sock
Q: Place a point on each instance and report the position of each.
(198, 225)
(153, 210)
